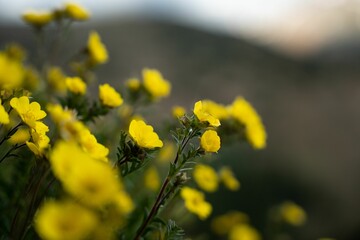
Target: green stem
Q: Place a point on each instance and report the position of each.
(13, 148)
(161, 197)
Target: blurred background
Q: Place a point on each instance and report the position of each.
(296, 61)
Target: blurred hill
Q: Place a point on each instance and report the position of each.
(310, 107)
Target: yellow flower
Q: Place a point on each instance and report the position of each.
(29, 112)
(206, 177)
(64, 220)
(109, 96)
(12, 72)
(228, 178)
(214, 109)
(152, 179)
(155, 84)
(93, 182)
(204, 116)
(255, 132)
(222, 224)
(76, 12)
(178, 111)
(133, 84)
(210, 141)
(123, 203)
(56, 79)
(292, 213)
(75, 85)
(37, 18)
(91, 146)
(64, 156)
(22, 135)
(195, 202)
(40, 142)
(97, 50)
(144, 135)
(58, 114)
(4, 116)
(244, 232)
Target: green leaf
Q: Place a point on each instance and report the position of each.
(173, 231)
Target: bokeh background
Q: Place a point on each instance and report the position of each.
(296, 61)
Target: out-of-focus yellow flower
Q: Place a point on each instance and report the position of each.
(244, 232)
(94, 183)
(228, 178)
(167, 152)
(133, 84)
(22, 135)
(75, 85)
(144, 135)
(64, 220)
(56, 79)
(206, 177)
(195, 202)
(123, 203)
(38, 18)
(4, 116)
(91, 146)
(204, 116)
(58, 114)
(29, 112)
(222, 224)
(11, 72)
(152, 179)
(292, 213)
(214, 109)
(210, 141)
(109, 96)
(76, 12)
(178, 111)
(255, 132)
(97, 50)
(61, 163)
(155, 84)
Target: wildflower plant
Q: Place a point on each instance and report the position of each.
(62, 175)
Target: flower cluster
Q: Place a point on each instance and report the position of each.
(98, 168)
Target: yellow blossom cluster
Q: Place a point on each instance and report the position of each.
(31, 114)
(208, 179)
(92, 183)
(195, 202)
(75, 189)
(153, 83)
(235, 225)
(241, 111)
(72, 129)
(41, 18)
